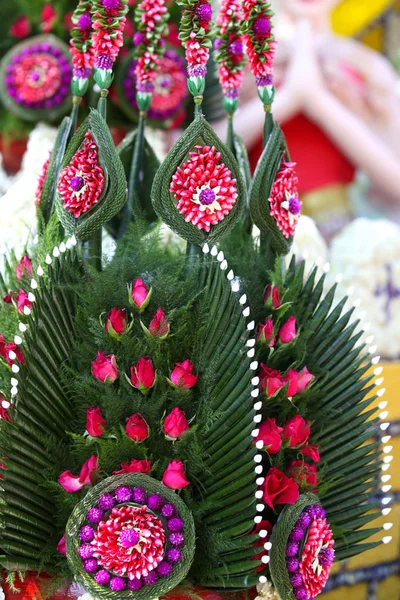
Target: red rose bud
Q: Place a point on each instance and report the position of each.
(303, 472)
(304, 379)
(270, 434)
(3, 345)
(116, 323)
(271, 297)
(4, 406)
(279, 489)
(139, 295)
(24, 267)
(21, 28)
(270, 380)
(159, 326)
(13, 352)
(62, 546)
(182, 375)
(23, 301)
(265, 333)
(105, 368)
(143, 375)
(311, 451)
(9, 298)
(287, 332)
(293, 378)
(48, 19)
(135, 466)
(174, 476)
(88, 476)
(95, 423)
(136, 428)
(297, 431)
(175, 424)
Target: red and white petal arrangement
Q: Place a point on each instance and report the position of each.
(109, 19)
(259, 40)
(81, 47)
(285, 205)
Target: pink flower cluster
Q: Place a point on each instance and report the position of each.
(195, 34)
(204, 188)
(285, 205)
(108, 25)
(259, 41)
(272, 380)
(150, 14)
(81, 47)
(229, 46)
(294, 434)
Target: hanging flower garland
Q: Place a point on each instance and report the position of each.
(260, 45)
(230, 52)
(151, 18)
(81, 47)
(109, 19)
(196, 34)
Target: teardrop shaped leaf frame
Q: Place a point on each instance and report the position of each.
(264, 177)
(201, 133)
(114, 192)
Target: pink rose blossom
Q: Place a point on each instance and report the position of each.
(174, 476)
(287, 332)
(88, 475)
(105, 368)
(182, 375)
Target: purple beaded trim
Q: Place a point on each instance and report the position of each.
(158, 505)
(65, 68)
(81, 73)
(104, 62)
(197, 71)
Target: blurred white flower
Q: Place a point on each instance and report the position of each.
(309, 245)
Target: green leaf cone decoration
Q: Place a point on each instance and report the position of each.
(242, 157)
(263, 180)
(198, 133)
(114, 191)
(151, 486)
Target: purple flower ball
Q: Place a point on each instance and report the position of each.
(300, 593)
(174, 555)
(207, 196)
(110, 4)
(151, 578)
(139, 495)
(236, 48)
(296, 580)
(164, 569)
(175, 524)
(217, 43)
(102, 577)
(95, 515)
(85, 22)
(292, 549)
(262, 26)
(168, 510)
(90, 565)
(177, 539)
(204, 12)
(77, 183)
(123, 494)
(326, 557)
(106, 502)
(155, 502)
(86, 534)
(296, 534)
(294, 206)
(117, 584)
(304, 520)
(292, 565)
(129, 538)
(85, 551)
(104, 62)
(135, 584)
(139, 38)
(319, 512)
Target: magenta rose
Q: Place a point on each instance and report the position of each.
(116, 323)
(12, 347)
(24, 267)
(95, 423)
(88, 476)
(182, 375)
(311, 451)
(159, 326)
(303, 472)
(23, 301)
(270, 434)
(105, 368)
(271, 297)
(265, 333)
(279, 489)
(304, 379)
(136, 428)
(139, 295)
(62, 546)
(174, 476)
(287, 332)
(135, 466)
(175, 424)
(143, 375)
(297, 431)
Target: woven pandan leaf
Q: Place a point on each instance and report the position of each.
(114, 191)
(164, 202)
(241, 155)
(263, 180)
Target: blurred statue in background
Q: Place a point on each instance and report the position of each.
(336, 100)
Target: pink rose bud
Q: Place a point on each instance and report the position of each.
(139, 295)
(135, 466)
(88, 476)
(95, 423)
(271, 297)
(21, 27)
(265, 333)
(311, 451)
(136, 428)
(304, 379)
(143, 375)
(23, 301)
(62, 546)
(116, 323)
(174, 476)
(270, 434)
(287, 332)
(105, 368)
(159, 326)
(175, 424)
(182, 375)
(24, 267)
(297, 431)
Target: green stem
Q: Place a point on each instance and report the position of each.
(193, 254)
(102, 104)
(229, 139)
(92, 250)
(76, 101)
(197, 106)
(268, 125)
(265, 247)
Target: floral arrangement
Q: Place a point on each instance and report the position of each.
(81, 47)
(189, 426)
